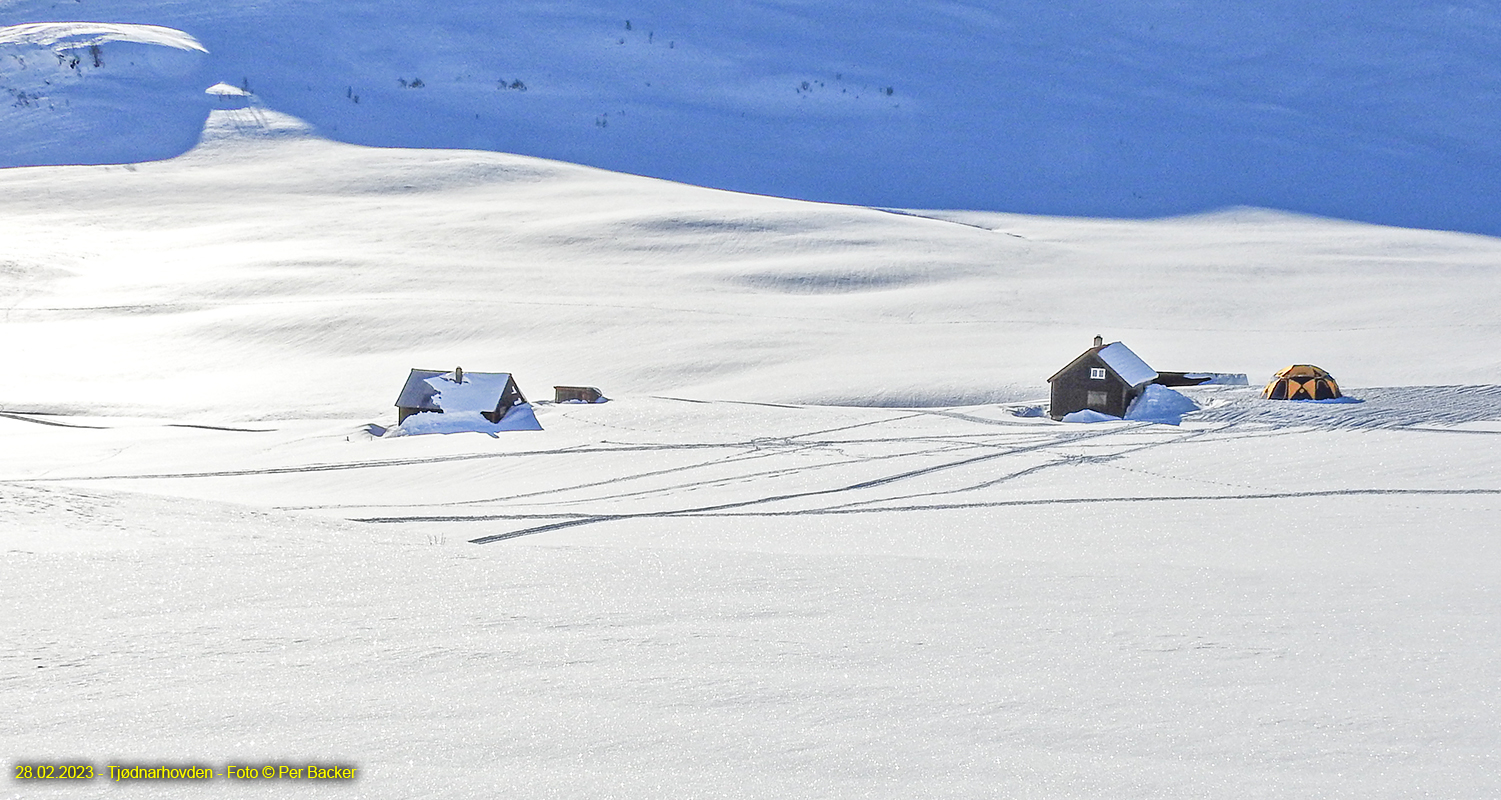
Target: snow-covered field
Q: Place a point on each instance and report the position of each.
(820, 541)
(813, 546)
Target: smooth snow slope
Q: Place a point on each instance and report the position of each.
(1376, 111)
(271, 274)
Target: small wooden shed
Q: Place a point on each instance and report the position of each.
(576, 394)
(434, 391)
(1104, 378)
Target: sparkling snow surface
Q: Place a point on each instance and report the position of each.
(817, 545)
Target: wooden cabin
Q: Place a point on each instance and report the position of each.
(1104, 378)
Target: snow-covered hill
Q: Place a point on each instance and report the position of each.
(1376, 111)
(818, 543)
(272, 274)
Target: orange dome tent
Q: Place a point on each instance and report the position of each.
(1301, 382)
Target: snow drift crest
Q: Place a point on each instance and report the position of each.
(99, 93)
(67, 36)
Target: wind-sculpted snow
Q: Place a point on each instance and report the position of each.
(98, 93)
(1374, 111)
(70, 37)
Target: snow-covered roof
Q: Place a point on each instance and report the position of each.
(1127, 364)
(433, 390)
(479, 391)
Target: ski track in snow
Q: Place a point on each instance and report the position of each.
(1406, 407)
(720, 511)
(861, 467)
(1378, 408)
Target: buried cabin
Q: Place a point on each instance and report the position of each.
(1104, 378)
(433, 391)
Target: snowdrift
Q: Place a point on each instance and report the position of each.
(520, 418)
(1161, 405)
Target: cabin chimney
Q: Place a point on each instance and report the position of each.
(458, 374)
(1099, 341)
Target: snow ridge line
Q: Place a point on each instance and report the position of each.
(53, 424)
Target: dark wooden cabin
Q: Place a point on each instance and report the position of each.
(497, 392)
(1104, 378)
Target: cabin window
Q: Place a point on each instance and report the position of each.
(1097, 373)
(1097, 401)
